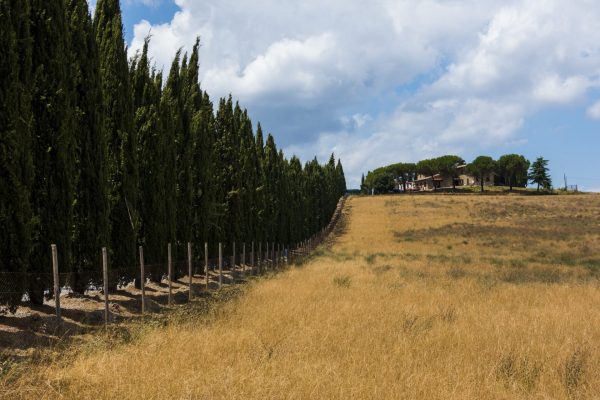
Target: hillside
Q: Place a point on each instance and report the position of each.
(427, 297)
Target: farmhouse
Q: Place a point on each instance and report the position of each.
(440, 181)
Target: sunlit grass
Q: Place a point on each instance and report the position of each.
(492, 298)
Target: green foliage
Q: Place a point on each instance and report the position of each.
(122, 165)
(54, 144)
(481, 167)
(91, 227)
(116, 157)
(512, 168)
(448, 166)
(539, 174)
(16, 167)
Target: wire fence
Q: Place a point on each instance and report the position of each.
(202, 273)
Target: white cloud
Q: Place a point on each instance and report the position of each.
(329, 76)
(594, 111)
(553, 89)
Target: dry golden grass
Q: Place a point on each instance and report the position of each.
(422, 297)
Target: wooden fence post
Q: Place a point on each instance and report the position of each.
(273, 259)
(266, 259)
(233, 257)
(190, 272)
(105, 276)
(206, 264)
(220, 265)
(252, 257)
(259, 257)
(244, 258)
(170, 274)
(56, 281)
(142, 279)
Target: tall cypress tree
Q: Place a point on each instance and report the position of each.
(154, 228)
(271, 181)
(341, 179)
(260, 200)
(16, 167)
(54, 141)
(205, 210)
(224, 162)
(123, 174)
(92, 230)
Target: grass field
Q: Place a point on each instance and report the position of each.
(420, 297)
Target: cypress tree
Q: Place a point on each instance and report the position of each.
(224, 159)
(270, 185)
(54, 141)
(188, 97)
(91, 203)
(205, 211)
(169, 124)
(260, 199)
(297, 195)
(122, 163)
(249, 181)
(154, 225)
(341, 179)
(16, 166)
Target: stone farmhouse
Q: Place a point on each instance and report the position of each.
(439, 181)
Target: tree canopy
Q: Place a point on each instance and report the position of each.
(100, 151)
(539, 174)
(481, 167)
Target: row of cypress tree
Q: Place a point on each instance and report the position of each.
(98, 150)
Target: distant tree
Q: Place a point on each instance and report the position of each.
(539, 174)
(448, 166)
(428, 168)
(481, 167)
(384, 183)
(403, 172)
(513, 170)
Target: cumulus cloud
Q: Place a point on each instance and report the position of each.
(389, 80)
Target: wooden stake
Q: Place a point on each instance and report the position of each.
(252, 256)
(56, 281)
(206, 264)
(190, 272)
(265, 257)
(259, 257)
(142, 279)
(105, 273)
(170, 274)
(244, 257)
(233, 264)
(220, 265)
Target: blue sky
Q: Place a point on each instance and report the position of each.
(399, 80)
